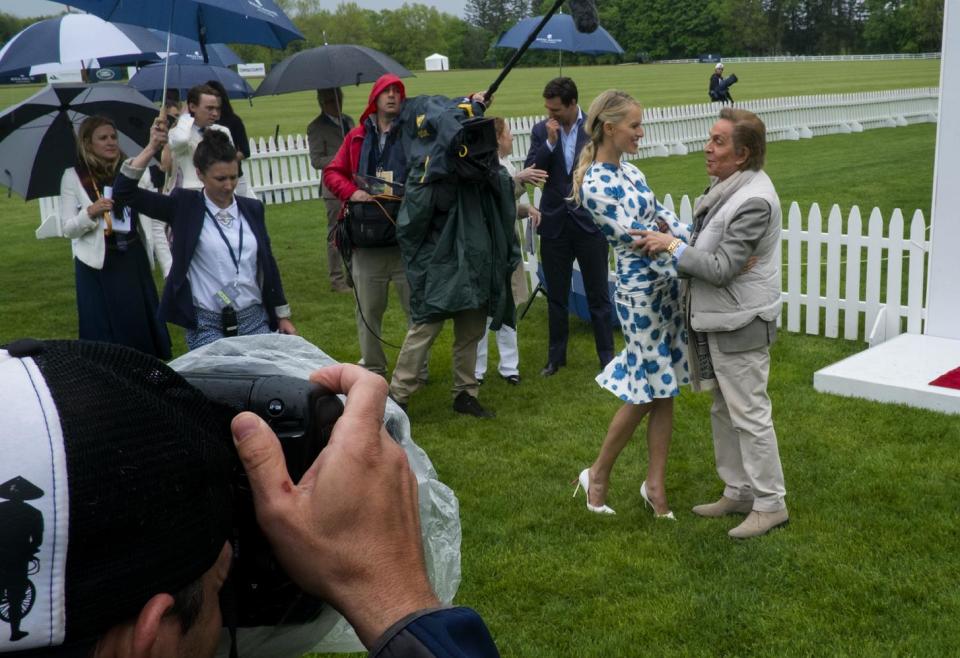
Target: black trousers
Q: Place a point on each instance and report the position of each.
(557, 256)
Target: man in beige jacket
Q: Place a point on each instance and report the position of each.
(733, 300)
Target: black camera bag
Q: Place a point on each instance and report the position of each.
(372, 223)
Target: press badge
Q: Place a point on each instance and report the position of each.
(123, 224)
(227, 296)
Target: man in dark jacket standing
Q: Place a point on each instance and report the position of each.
(567, 232)
(324, 136)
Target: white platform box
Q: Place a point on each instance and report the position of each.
(897, 371)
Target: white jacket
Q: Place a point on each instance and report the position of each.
(86, 235)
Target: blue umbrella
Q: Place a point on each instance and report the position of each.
(560, 33)
(189, 51)
(208, 21)
(80, 40)
(149, 80)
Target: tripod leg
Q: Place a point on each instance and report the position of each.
(530, 301)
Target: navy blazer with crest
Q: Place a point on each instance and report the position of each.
(185, 211)
(555, 209)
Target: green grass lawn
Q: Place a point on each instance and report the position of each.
(653, 85)
(868, 565)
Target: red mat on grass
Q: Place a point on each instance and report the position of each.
(948, 379)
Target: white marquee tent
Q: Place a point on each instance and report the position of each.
(437, 62)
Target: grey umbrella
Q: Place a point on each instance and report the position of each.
(37, 136)
(336, 65)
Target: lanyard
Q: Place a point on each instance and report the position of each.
(235, 259)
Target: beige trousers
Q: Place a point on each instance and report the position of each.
(744, 441)
(373, 270)
(468, 328)
(334, 260)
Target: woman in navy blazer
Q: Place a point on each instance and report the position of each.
(222, 271)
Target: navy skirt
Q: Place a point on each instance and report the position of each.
(118, 304)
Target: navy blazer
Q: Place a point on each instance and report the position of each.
(555, 209)
(184, 210)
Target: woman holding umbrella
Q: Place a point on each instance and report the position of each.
(224, 280)
(112, 247)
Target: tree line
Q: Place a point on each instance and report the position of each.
(646, 29)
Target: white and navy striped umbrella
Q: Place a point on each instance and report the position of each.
(80, 40)
(38, 135)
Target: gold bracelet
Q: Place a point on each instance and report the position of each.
(674, 244)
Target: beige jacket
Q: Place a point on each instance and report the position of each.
(722, 297)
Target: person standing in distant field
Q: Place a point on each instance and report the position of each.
(567, 231)
(325, 134)
(718, 91)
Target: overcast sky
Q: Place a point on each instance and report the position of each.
(27, 8)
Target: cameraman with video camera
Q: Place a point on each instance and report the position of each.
(137, 495)
(720, 86)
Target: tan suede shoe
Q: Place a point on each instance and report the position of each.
(723, 507)
(760, 523)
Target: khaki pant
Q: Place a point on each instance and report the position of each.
(373, 270)
(468, 328)
(334, 260)
(744, 441)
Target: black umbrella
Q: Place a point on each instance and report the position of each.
(338, 65)
(37, 136)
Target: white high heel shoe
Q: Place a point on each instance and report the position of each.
(583, 480)
(646, 499)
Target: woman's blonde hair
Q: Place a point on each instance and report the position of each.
(103, 171)
(610, 106)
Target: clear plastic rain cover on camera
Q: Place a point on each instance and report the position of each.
(277, 354)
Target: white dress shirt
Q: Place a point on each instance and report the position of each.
(212, 267)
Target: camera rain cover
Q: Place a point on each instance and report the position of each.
(277, 354)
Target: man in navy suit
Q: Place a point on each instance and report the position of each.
(567, 231)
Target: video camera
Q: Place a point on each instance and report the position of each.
(302, 415)
(727, 82)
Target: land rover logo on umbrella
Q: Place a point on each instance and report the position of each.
(106, 74)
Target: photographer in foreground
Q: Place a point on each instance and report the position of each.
(136, 495)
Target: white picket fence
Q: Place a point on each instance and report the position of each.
(280, 169)
(889, 57)
(678, 130)
(875, 280)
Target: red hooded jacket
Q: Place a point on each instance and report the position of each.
(338, 175)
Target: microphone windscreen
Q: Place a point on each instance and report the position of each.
(584, 13)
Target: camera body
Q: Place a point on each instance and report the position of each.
(302, 415)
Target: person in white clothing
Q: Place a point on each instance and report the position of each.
(203, 113)
(113, 248)
(509, 366)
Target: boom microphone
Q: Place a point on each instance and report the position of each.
(584, 13)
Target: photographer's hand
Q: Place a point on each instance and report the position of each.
(349, 531)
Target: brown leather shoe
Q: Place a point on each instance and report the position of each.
(723, 507)
(760, 523)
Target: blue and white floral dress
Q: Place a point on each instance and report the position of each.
(654, 362)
